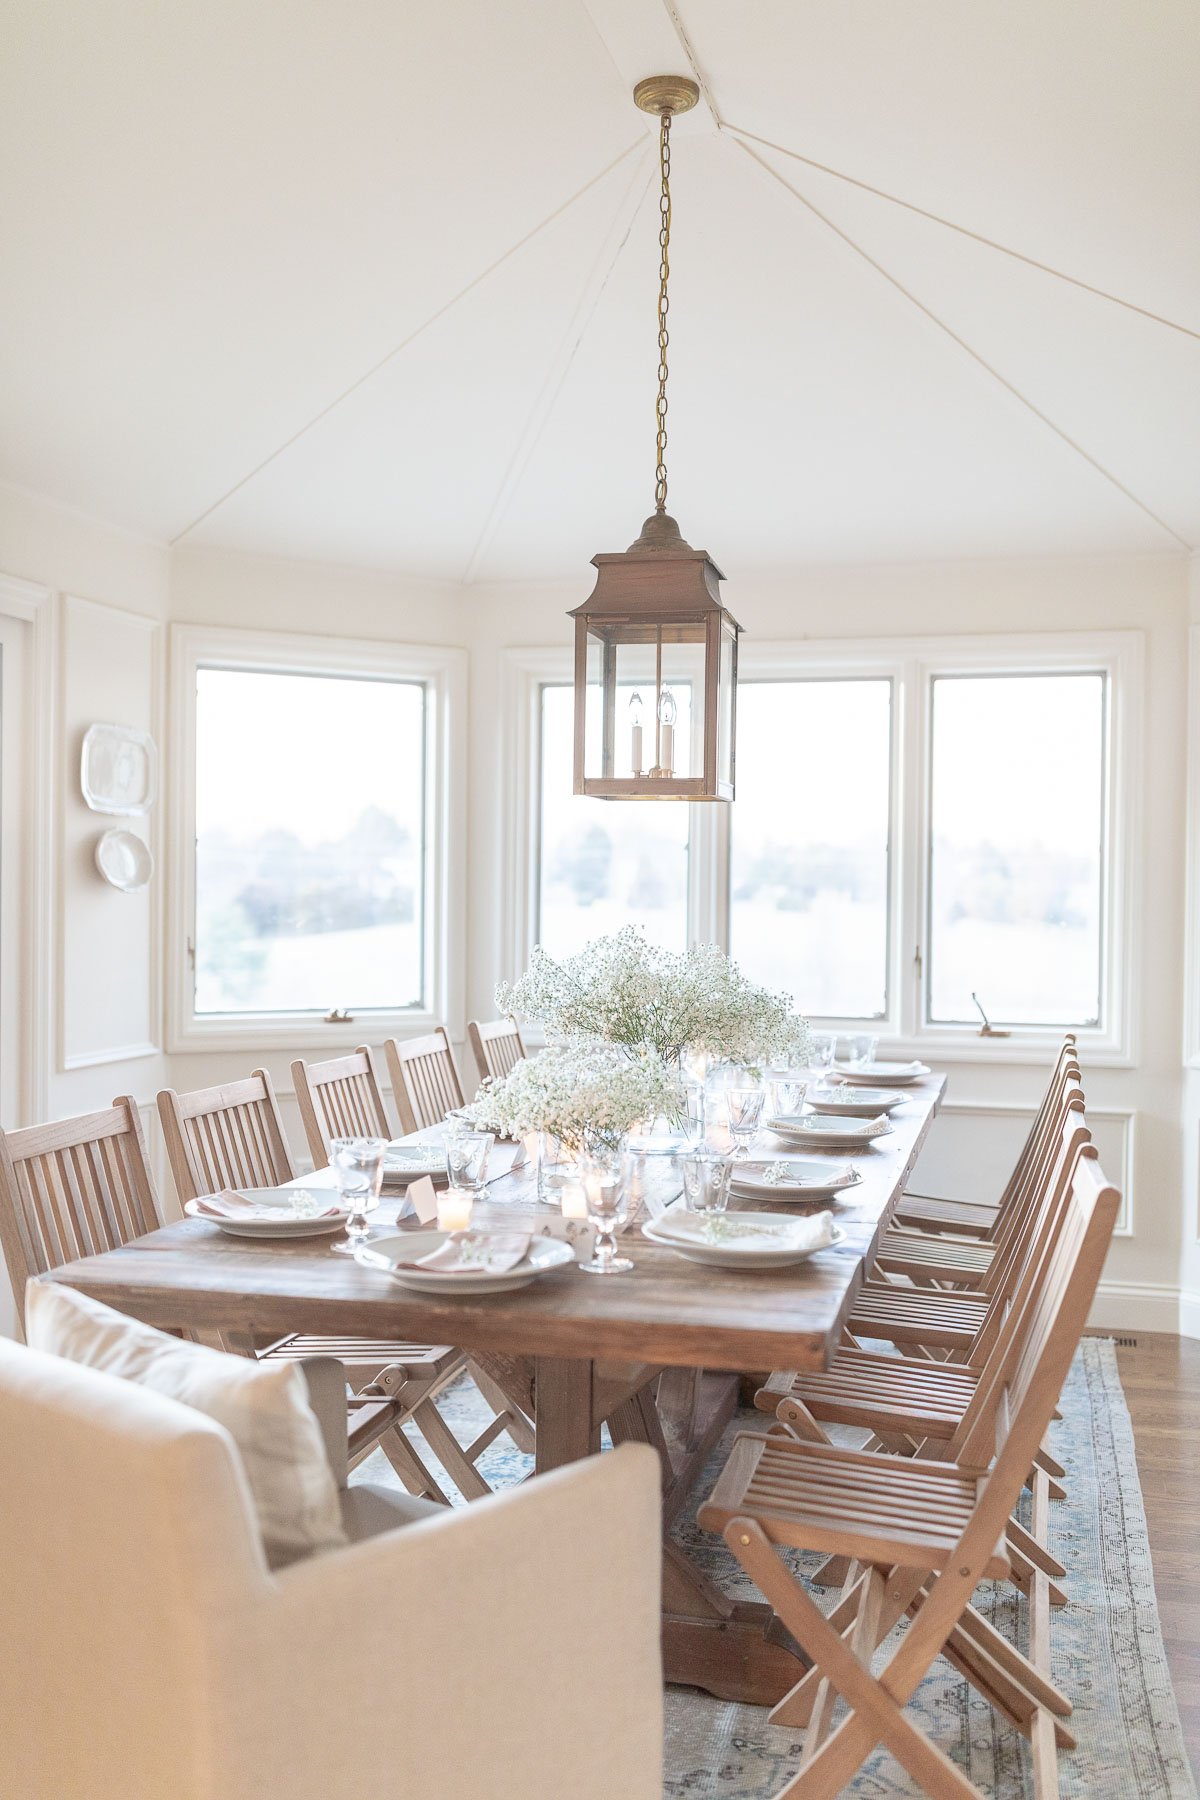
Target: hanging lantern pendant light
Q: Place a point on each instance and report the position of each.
(655, 618)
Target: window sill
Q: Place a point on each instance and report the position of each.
(301, 1032)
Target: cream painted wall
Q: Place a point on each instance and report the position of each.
(1189, 1256)
(110, 596)
(111, 665)
(1138, 1109)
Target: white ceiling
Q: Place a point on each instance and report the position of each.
(374, 283)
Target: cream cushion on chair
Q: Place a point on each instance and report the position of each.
(263, 1406)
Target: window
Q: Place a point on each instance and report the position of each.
(916, 820)
(603, 863)
(808, 905)
(309, 842)
(1017, 848)
(320, 807)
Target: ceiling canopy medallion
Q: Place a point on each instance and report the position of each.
(655, 648)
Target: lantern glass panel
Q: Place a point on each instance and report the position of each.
(726, 700)
(662, 728)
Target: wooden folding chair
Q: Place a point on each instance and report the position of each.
(424, 1077)
(343, 1098)
(339, 1098)
(954, 1320)
(72, 1189)
(922, 1535)
(496, 1046)
(933, 1409)
(977, 1218)
(932, 1259)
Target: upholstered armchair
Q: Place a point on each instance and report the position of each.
(507, 1650)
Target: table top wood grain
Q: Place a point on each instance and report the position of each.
(665, 1311)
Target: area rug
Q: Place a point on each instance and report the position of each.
(1107, 1643)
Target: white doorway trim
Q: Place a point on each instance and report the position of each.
(36, 607)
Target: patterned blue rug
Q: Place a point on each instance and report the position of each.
(1107, 1643)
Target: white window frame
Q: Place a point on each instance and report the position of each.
(443, 671)
(911, 664)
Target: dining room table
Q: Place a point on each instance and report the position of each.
(656, 1355)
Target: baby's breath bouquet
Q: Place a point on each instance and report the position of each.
(587, 1095)
(625, 991)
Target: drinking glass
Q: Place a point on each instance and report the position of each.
(787, 1095)
(706, 1181)
(607, 1186)
(357, 1165)
(695, 1120)
(863, 1048)
(745, 1110)
(467, 1155)
(824, 1048)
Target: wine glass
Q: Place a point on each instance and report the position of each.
(357, 1165)
(745, 1110)
(607, 1186)
(706, 1181)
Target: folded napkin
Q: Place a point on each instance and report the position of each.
(814, 1233)
(476, 1253)
(229, 1204)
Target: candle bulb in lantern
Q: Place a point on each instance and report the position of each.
(666, 733)
(635, 732)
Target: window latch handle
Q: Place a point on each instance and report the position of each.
(339, 1016)
(987, 1029)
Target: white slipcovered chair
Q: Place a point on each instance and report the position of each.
(509, 1649)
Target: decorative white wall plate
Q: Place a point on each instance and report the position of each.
(119, 769)
(124, 860)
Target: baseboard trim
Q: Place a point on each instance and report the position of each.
(1189, 1313)
(1143, 1306)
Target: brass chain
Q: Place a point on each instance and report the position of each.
(664, 270)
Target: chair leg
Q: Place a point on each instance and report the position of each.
(876, 1716)
(519, 1428)
(409, 1467)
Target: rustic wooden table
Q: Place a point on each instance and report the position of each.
(654, 1353)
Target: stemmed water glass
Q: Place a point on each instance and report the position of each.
(745, 1110)
(862, 1049)
(607, 1187)
(695, 1119)
(357, 1165)
(824, 1049)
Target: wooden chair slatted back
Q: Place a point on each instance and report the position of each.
(981, 1427)
(425, 1079)
(1012, 1242)
(1015, 1205)
(226, 1136)
(72, 1189)
(496, 1045)
(1014, 1185)
(339, 1098)
(1053, 1324)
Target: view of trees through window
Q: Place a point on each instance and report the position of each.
(808, 899)
(603, 863)
(309, 842)
(1017, 852)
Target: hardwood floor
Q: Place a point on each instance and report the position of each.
(1161, 1378)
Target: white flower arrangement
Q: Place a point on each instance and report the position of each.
(625, 991)
(588, 1095)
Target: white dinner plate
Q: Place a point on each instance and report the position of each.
(403, 1163)
(895, 1074)
(545, 1255)
(739, 1240)
(827, 1128)
(297, 1209)
(854, 1102)
(797, 1179)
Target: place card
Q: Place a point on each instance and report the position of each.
(422, 1197)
